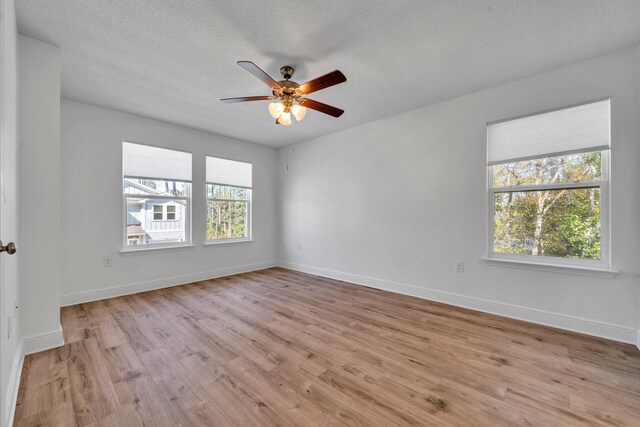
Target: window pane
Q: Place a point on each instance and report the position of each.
(558, 223)
(157, 212)
(227, 220)
(227, 192)
(580, 167)
(155, 187)
(146, 225)
(171, 212)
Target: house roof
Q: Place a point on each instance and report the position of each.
(144, 188)
(135, 230)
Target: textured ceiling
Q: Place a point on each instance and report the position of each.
(173, 59)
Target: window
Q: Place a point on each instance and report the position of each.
(171, 213)
(158, 212)
(157, 196)
(229, 184)
(548, 186)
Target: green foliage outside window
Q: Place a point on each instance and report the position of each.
(560, 222)
(227, 212)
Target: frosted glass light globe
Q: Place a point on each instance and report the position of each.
(275, 109)
(285, 119)
(298, 111)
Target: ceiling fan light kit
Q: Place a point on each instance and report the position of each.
(289, 96)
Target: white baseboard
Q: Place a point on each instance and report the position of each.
(29, 345)
(41, 342)
(571, 323)
(133, 288)
(14, 385)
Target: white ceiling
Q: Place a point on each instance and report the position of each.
(173, 59)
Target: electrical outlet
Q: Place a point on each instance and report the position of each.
(107, 261)
(459, 267)
(299, 246)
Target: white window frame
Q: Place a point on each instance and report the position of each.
(188, 238)
(604, 263)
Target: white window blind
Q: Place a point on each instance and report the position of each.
(144, 161)
(229, 172)
(570, 130)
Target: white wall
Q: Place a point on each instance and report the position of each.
(92, 217)
(39, 187)
(395, 202)
(10, 354)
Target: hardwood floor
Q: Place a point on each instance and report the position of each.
(278, 347)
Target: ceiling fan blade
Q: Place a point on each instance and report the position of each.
(257, 71)
(319, 106)
(246, 98)
(322, 82)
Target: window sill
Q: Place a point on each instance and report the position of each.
(140, 250)
(226, 242)
(554, 268)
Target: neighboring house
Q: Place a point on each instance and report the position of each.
(153, 220)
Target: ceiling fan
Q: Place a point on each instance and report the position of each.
(289, 96)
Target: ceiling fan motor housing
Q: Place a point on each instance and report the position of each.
(287, 88)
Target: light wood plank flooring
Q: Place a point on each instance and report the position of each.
(278, 347)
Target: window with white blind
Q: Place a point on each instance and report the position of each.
(156, 196)
(229, 186)
(548, 179)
